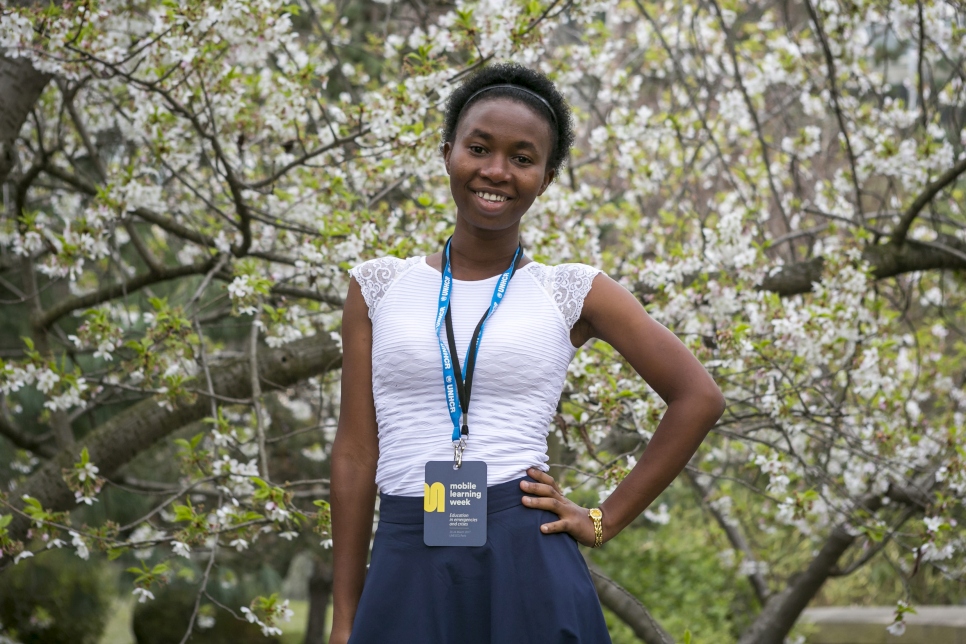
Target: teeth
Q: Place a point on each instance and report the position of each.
(489, 197)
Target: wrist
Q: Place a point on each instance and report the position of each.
(596, 517)
(609, 526)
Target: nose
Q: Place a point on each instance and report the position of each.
(496, 168)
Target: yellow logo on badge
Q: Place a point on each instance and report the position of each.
(434, 497)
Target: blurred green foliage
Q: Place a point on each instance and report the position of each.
(54, 598)
(165, 619)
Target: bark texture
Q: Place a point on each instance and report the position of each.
(20, 87)
(134, 430)
(886, 260)
(779, 615)
(627, 607)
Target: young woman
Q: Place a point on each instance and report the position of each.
(431, 390)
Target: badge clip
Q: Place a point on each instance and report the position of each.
(458, 447)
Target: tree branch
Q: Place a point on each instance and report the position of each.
(886, 260)
(23, 440)
(833, 89)
(737, 539)
(275, 176)
(142, 248)
(44, 319)
(930, 191)
(308, 294)
(257, 395)
(923, 114)
(779, 615)
(120, 439)
(626, 606)
(20, 87)
(872, 552)
(85, 136)
(729, 41)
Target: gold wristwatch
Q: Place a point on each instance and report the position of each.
(596, 515)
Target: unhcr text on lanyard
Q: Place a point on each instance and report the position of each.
(459, 382)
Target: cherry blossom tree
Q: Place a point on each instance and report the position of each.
(779, 183)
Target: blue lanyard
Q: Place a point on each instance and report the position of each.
(458, 383)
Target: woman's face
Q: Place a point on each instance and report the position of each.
(497, 162)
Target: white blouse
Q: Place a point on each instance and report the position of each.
(520, 369)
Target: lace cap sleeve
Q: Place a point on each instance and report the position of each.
(567, 285)
(377, 275)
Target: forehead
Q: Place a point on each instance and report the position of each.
(506, 117)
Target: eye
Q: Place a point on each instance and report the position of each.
(524, 160)
(476, 149)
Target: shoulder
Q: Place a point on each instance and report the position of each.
(563, 276)
(566, 284)
(382, 266)
(376, 276)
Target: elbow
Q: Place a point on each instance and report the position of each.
(711, 403)
(715, 404)
(703, 406)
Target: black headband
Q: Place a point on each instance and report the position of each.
(553, 115)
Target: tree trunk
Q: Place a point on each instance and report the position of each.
(779, 615)
(20, 87)
(320, 591)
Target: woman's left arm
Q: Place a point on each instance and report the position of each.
(694, 404)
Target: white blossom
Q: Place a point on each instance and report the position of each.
(143, 594)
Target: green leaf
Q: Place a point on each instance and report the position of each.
(183, 513)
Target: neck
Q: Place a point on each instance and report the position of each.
(478, 255)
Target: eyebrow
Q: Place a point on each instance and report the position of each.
(486, 136)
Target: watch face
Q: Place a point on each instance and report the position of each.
(595, 514)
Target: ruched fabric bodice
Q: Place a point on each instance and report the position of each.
(520, 369)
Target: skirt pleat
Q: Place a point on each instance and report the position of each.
(522, 586)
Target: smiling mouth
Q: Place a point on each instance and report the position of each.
(489, 196)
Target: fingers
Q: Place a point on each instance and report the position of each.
(544, 479)
(546, 495)
(555, 526)
(539, 489)
(543, 503)
(565, 526)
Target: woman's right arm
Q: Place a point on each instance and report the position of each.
(354, 455)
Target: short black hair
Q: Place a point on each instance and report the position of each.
(562, 131)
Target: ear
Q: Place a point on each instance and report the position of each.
(447, 150)
(547, 180)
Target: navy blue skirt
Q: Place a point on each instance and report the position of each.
(522, 586)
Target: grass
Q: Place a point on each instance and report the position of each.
(118, 629)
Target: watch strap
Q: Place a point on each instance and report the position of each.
(596, 516)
